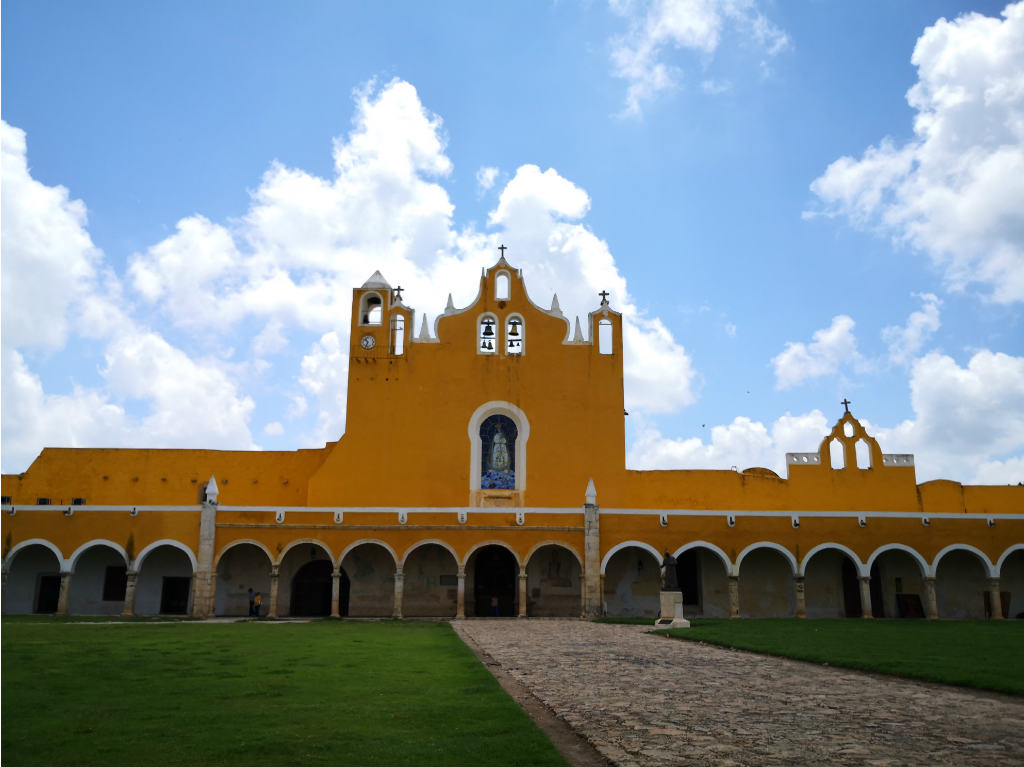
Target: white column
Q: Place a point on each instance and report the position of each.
(522, 593)
(460, 608)
(274, 580)
(931, 606)
(865, 598)
(335, 592)
(399, 589)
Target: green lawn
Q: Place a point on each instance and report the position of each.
(984, 654)
(327, 692)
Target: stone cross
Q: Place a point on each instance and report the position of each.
(604, 296)
(846, 404)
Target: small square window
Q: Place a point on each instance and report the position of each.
(78, 501)
(42, 501)
(5, 500)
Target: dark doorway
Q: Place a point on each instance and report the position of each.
(877, 606)
(174, 595)
(851, 590)
(688, 574)
(495, 576)
(311, 589)
(49, 594)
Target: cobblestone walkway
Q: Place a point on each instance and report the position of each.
(641, 699)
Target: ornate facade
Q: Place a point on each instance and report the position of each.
(453, 493)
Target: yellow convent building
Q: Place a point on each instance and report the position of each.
(452, 493)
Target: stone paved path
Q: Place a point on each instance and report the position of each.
(642, 699)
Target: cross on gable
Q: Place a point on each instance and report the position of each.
(398, 293)
(502, 249)
(604, 296)
(846, 404)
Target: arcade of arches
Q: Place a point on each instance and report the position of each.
(467, 484)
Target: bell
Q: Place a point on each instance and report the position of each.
(490, 346)
(514, 329)
(489, 329)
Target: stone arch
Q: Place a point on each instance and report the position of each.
(73, 559)
(304, 582)
(771, 593)
(239, 567)
(363, 541)
(832, 573)
(430, 571)
(926, 571)
(629, 544)
(1011, 580)
(991, 571)
(99, 578)
(164, 582)
(32, 575)
(491, 542)
(786, 553)
(447, 547)
(300, 542)
(862, 569)
(488, 334)
(481, 414)
(961, 588)
(898, 589)
(554, 587)
(370, 565)
(514, 342)
(705, 584)
(631, 584)
(241, 542)
(371, 308)
(492, 571)
(34, 542)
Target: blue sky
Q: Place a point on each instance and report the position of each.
(792, 203)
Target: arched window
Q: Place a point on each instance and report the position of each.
(397, 334)
(836, 454)
(863, 454)
(515, 335)
(498, 436)
(487, 335)
(605, 337)
(501, 286)
(371, 309)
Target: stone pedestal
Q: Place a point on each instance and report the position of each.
(672, 611)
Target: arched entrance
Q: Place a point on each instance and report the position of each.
(431, 582)
(33, 581)
(242, 567)
(98, 583)
(831, 585)
(1011, 584)
(897, 585)
(632, 584)
(766, 585)
(961, 584)
(553, 582)
(311, 589)
(164, 584)
(704, 579)
(371, 568)
(493, 573)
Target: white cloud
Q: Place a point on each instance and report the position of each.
(325, 377)
(831, 348)
(968, 421)
(954, 191)
(904, 343)
(641, 55)
(742, 444)
(50, 265)
(274, 429)
(485, 178)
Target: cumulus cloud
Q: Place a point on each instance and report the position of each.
(642, 56)
(742, 444)
(485, 178)
(831, 348)
(905, 342)
(954, 190)
(968, 421)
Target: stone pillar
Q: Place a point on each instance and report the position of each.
(994, 600)
(335, 592)
(865, 598)
(592, 596)
(65, 589)
(801, 597)
(203, 580)
(601, 610)
(460, 605)
(522, 593)
(931, 606)
(129, 594)
(734, 596)
(399, 589)
(275, 571)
